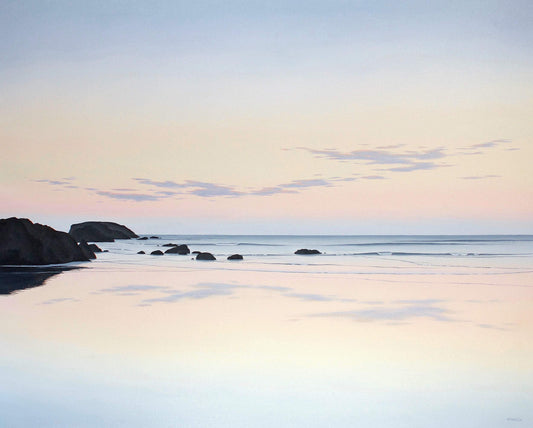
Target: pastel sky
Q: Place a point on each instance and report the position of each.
(269, 117)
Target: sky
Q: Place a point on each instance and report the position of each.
(284, 117)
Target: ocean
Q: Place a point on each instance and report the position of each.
(376, 331)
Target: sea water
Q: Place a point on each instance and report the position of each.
(377, 331)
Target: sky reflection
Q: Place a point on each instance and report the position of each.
(393, 313)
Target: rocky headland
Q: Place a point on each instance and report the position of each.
(25, 243)
(100, 231)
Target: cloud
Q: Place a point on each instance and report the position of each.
(415, 166)
(392, 158)
(204, 189)
(268, 191)
(478, 149)
(207, 189)
(397, 159)
(488, 144)
(166, 184)
(480, 177)
(303, 184)
(55, 182)
(409, 160)
(374, 177)
(137, 197)
(379, 156)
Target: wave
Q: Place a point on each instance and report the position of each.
(382, 244)
(401, 253)
(382, 253)
(252, 244)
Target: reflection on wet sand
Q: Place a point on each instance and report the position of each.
(13, 279)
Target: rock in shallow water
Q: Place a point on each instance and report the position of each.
(95, 248)
(235, 257)
(305, 251)
(86, 249)
(156, 253)
(205, 256)
(25, 243)
(179, 249)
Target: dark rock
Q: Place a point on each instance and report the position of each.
(144, 238)
(141, 252)
(205, 256)
(25, 243)
(105, 251)
(235, 257)
(95, 248)
(179, 249)
(87, 252)
(169, 245)
(100, 231)
(154, 237)
(196, 252)
(156, 253)
(305, 251)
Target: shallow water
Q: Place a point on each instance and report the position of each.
(377, 332)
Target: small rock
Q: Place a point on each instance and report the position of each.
(154, 237)
(305, 251)
(156, 253)
(141, 252)
(95, 248)
(169, 245)
(235, 257)
(87, 252)
(196, 252)
(144, 238)
(205, 256)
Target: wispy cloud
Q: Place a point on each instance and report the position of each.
(382, 161)
(63, 182)
(415, 166)
(381, 156)
(480, 177)
(481, 148)
(207, 189)
(410, 160)
(374, 177)
(395, 158)
(138, 197)
(487, 144)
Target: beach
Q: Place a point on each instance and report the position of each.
(376, 331)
